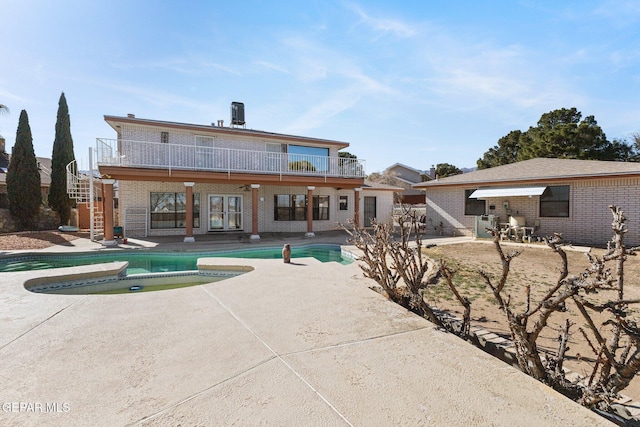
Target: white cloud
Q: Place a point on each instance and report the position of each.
(274, 67)
(221, 67)
(383, 26)
(620, 13)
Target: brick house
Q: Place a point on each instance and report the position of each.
(187, 179)
(542, 196)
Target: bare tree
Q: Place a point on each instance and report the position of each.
(616, 343)
(397, 263)
(394, 258)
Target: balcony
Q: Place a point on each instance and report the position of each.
(157, 155)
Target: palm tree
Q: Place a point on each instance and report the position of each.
(3, 109)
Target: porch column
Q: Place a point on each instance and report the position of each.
(107, 206)
(188, 237)
(310, 232)
(356, 207)
(254, 212)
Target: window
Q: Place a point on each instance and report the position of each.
(304, 159)
(169, 210)
(344, 203)
(472, 206)
(203, 141)
(293, 207)
(290, 207)
(164, 137)
(205, 152)
(320, 207)
(554, 202)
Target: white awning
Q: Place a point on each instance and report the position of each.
(487, 193)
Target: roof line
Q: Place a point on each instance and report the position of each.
(228, 130)
(434, 183)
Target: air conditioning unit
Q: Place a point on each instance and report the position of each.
(484, 222)
(237, 113)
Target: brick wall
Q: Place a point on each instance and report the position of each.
(152, 134)
(589, 221)
(137, 194)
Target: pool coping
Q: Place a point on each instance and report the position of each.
(347, 251)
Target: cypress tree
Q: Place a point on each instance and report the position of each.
(62, 155)
(23, 178)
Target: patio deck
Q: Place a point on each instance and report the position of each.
(286, 344)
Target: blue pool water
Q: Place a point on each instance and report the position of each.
(155, 262)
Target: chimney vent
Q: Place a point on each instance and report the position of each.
(131, 116)
(220, 123)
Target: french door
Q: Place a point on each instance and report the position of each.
(225, 212)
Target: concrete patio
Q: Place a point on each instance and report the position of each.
(285, 344)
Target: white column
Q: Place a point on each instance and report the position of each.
(310, 232)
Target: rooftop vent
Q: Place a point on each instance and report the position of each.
(131, 116)
(237, 114)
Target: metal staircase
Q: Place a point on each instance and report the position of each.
(86, 188)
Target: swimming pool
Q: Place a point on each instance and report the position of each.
(141, 262)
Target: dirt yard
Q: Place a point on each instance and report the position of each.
(537, 266)
(36, 239)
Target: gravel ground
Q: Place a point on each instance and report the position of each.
(36, 239)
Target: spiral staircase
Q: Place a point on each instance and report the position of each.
(86, 189)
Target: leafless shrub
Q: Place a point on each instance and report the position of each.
(615, 343)
(397, 263)
(526, 326)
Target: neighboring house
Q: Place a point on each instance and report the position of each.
(44, 165)
(566, 196)
(407, 176)
(188, 179)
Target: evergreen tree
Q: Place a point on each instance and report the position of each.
(562, 134)
(444, 170)
(559, 134)
(504, 153)
(62, 155)
(23, 178)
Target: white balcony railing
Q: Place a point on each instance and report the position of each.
(112, 152)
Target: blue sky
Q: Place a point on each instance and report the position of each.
(415, 82)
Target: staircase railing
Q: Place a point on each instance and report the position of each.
(86, 188)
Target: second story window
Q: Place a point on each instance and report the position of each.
(303, 158)
(164, 137)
